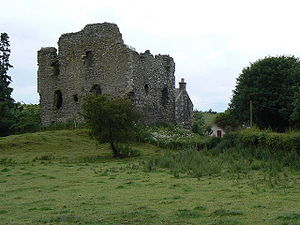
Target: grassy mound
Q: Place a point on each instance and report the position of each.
(63, 177)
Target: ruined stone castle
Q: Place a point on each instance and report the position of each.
(96, 60)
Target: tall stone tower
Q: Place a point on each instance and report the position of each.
(96, 60)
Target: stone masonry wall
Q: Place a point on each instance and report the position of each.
(95, 60)
(183, 107)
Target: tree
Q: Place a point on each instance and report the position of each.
(27, 118)
(5, 79)
(271, 84)
(198, 126)
(295, 116)
(7, 105)
(226, 121)
(111, 119)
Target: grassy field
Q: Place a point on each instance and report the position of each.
(63, 177)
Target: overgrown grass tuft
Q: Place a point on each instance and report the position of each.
(231, 162)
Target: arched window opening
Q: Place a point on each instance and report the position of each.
(75, 98)
(55, 67)
(164, 96)
(146, 87)
(88, 60)
(96, 90)
(58, 100)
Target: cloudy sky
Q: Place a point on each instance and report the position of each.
(211, 41)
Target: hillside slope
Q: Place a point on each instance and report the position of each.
(63, 177)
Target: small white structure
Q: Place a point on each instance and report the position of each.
(216, 131)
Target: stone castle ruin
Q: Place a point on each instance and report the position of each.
(96, 60)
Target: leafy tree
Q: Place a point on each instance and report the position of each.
(295, 116)
(27, 118)
(7, 117)
(226, 121)
(111, 119)
(7, 105)
(271, 83)
(198, 126)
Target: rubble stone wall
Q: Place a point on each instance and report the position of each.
(96, 60)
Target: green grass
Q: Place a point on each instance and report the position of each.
(63, 177)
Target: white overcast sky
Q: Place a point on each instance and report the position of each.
(211, 41)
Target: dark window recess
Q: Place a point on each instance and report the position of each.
(131, 95)
(55, 68)
(96, 89)
(164, 96)
(88, 60)
(146, 87)
(58, 100)
(75, 98)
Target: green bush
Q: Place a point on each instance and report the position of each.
(111, 120)
(172, 137)
(282, 145)
(27, 118)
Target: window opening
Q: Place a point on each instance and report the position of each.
(58, 100)
(164, 96)
(96, 90)
(55, 67)
(146, 87)
(75, 98)
(131, 95)
(88, 60)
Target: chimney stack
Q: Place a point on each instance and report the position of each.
(182, 84)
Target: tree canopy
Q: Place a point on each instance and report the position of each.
(226, 121)
(272, 84)
(111, 119)
(198, 126)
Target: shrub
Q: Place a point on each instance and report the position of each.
(198, 126)
(28, 118)
(172, 137)
(285, 142)
(111, 120)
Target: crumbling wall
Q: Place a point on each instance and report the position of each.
(95, 60)
(154, 83)
(48, 73)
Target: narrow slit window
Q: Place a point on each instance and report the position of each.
(88, 61)
(146, 87)
(58, 99)
(164, 96)
(75, 98)
(55, 68)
